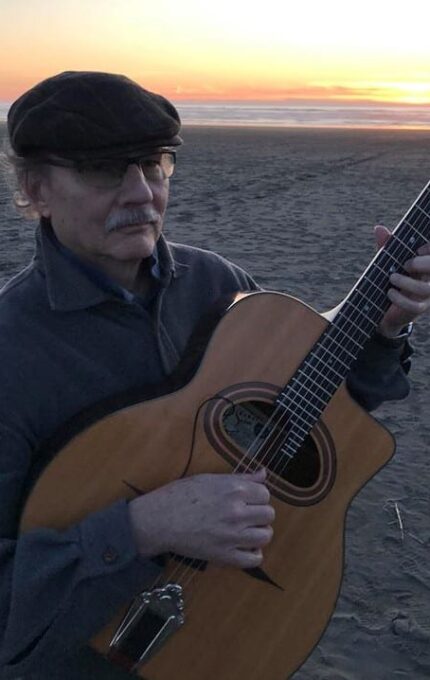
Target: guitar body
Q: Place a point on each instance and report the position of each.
(238, 625)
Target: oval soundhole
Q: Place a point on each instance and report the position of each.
(241, 426)
(250, 426)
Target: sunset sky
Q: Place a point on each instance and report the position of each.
(277, 50)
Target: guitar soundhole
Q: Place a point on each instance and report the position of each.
(251, 426)
(242, 426)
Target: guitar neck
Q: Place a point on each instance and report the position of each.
(331, 359)
(367, 302)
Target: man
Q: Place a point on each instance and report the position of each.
(106, 305)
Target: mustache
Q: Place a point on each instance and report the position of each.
(129, 216)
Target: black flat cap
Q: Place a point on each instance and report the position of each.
(77, 114)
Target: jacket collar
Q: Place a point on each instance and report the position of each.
(71, 287)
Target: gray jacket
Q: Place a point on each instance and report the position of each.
(68, 341)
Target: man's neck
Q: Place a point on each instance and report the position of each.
(125, 274)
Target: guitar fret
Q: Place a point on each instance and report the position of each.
(412, 226)
(287, 407)
(293, 451)
(315, 370)
(423, 211)
(368, 301)
(348, 337)
(334, 356)
(299, 437)
(353, 356)
(305, 429)
(323, 370)
(381, 269)
(348, 320)
(394, 236)
(388, 254)
(375, 286)
(287, 453)
(314, 396)
(338, 375)
(313, 382)
(302, 400)
(358, 311)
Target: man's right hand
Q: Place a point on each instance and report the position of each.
(222, 518)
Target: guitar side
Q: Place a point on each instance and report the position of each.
(244, 628)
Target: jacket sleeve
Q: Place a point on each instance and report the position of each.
(380, 373)
(58, 588)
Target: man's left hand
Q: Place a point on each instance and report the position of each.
(410, 295)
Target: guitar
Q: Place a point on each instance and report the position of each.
(268, 389)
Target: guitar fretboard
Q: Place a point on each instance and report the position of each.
(327, 365)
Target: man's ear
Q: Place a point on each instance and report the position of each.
(35, 186)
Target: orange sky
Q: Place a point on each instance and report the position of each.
(229, 49)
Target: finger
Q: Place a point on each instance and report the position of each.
(256, 494)
(412, 307)
(251, 488)
(259, 515)
(246, 559)
(419, 266)
(425, 249)
(257, 476)
(255, 537)
(382, 234)
(408, 284)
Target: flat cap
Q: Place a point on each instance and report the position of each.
(77, 114)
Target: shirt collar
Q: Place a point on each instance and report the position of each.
(74, 284)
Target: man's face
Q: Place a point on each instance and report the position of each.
(103, 224)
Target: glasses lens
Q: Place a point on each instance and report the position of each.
(159, 166)
(103, 174)
(108, 174)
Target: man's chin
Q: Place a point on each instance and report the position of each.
(139, 241)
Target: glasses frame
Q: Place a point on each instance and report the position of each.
(129, 160)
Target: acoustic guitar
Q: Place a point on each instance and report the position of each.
(266, 387)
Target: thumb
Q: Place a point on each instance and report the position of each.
(382, 234)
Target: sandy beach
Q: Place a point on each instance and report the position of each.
(296, 208)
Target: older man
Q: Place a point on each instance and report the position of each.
(107, 305)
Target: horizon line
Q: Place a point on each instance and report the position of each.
(300, 101)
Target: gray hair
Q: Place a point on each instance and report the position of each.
(15, 169)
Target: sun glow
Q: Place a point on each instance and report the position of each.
(408, 93)
(231, 49)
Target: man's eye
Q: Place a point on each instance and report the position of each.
(150, 163)
(96, 167)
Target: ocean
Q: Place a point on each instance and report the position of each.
(297, 115)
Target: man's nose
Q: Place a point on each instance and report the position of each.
(135, 187)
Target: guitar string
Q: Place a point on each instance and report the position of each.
(309, 383)
(320, 361)
(401, 245)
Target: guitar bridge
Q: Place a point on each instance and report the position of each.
(150, 620)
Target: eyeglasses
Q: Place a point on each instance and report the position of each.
(109, 173)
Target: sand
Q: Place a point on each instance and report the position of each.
(296, 209)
